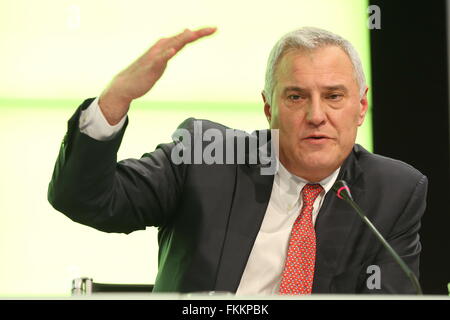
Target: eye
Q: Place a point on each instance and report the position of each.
(294, 97)
(335, 96)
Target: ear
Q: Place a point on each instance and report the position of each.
(267, 108)
(364, 105)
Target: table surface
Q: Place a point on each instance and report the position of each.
(222, 296)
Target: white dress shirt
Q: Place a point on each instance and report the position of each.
(93, 123)
(262, 274)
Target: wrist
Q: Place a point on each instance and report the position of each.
(113, 107)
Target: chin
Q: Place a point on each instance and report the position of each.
(317, 165)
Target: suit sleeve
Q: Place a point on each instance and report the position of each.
(405, 240)
(94, 124)
(90, 187)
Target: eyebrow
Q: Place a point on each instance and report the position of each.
(293, 88)
(328, 88)
(336, 87)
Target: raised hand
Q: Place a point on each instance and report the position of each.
(139, 77)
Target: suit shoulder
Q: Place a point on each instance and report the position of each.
(382, 166)
(190, 123)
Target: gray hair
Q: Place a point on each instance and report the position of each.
(310, 38)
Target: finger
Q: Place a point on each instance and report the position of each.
(177, 42)
(188, 36)
(203, 32)
(200, 33)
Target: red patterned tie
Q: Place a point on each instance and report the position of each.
(298, 273)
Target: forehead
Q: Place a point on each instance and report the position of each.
(326, 64)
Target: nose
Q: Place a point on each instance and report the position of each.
(315, 114)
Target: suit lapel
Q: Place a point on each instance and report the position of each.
(334, 224)
(252, 194)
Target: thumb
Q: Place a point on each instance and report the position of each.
(169, 53)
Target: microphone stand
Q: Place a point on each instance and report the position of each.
(343, 192)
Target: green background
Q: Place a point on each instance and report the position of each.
(57, 53)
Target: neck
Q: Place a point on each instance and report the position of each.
(311, 174)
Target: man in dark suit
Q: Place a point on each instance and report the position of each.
(226, 226)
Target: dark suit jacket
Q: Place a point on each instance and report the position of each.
(208, 216)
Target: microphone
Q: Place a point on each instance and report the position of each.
(343, 192)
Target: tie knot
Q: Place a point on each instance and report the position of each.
(310, 193)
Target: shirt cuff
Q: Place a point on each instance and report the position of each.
(93, 123)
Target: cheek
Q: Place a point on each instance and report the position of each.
(345, 120)
(290, 132)
(288, 125)
(288, 118)
(347, 133)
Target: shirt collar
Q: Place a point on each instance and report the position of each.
(291, 185)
